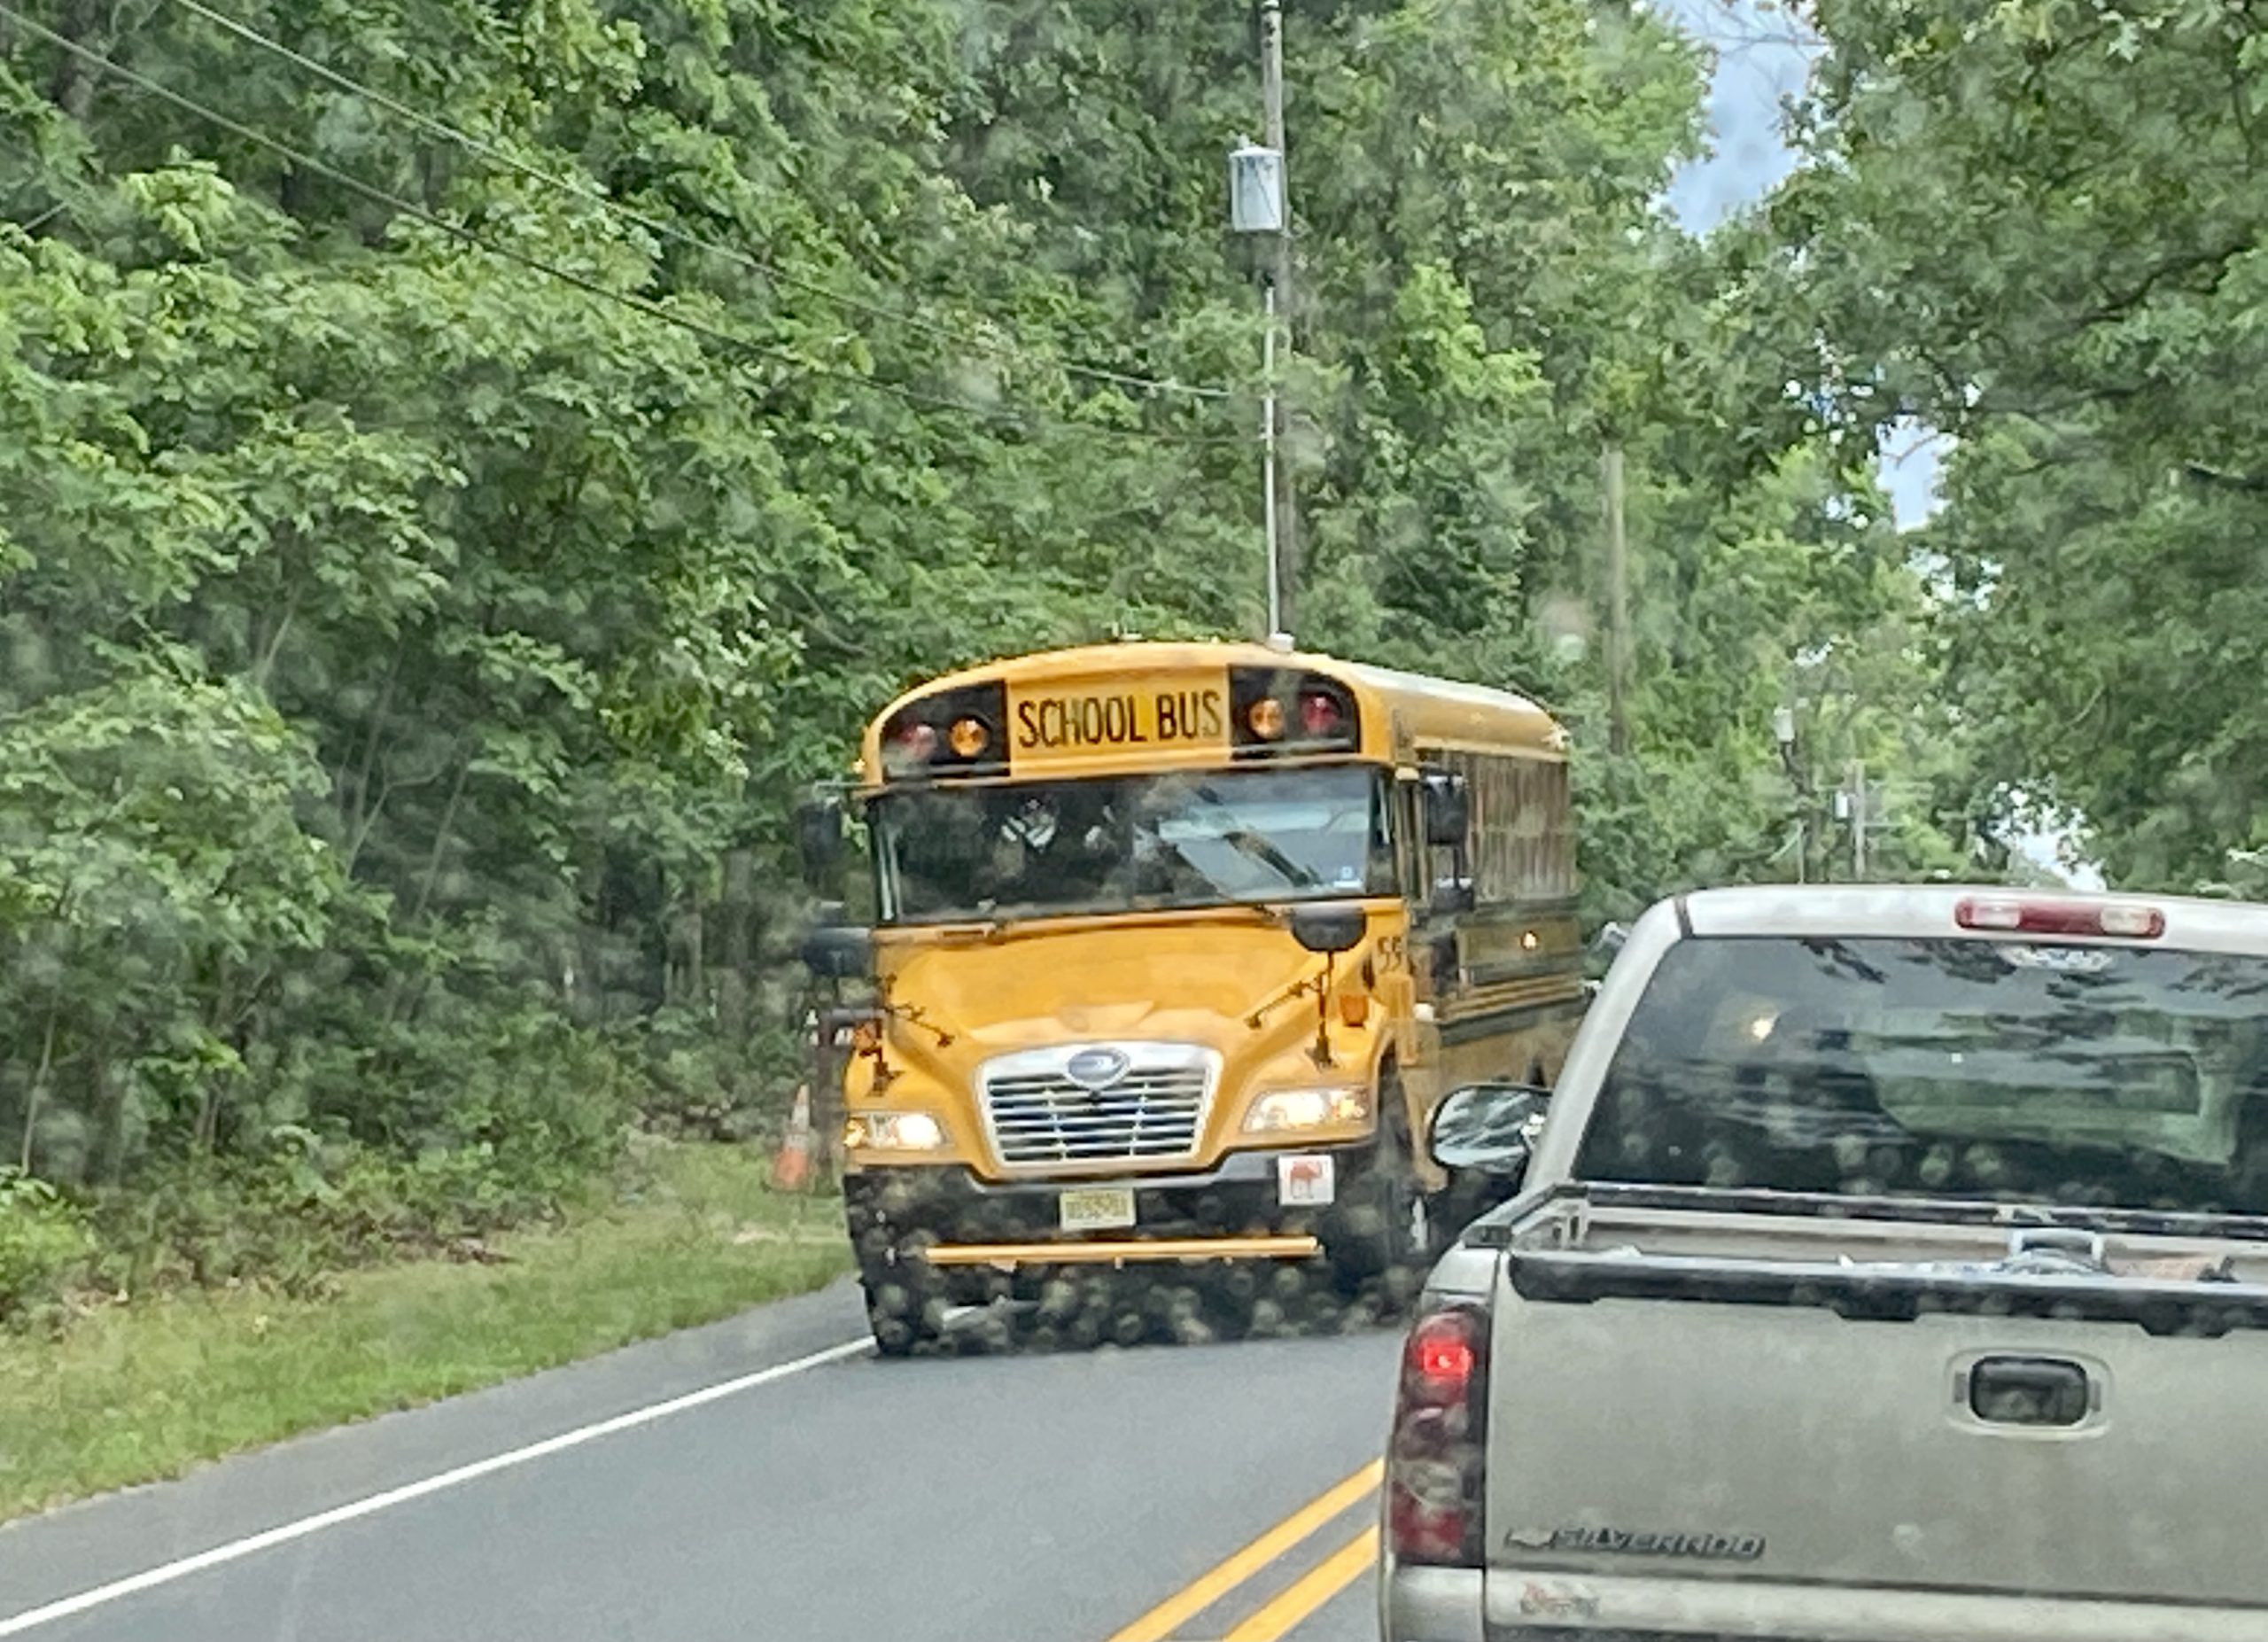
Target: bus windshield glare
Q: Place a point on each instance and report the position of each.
(1134, 843)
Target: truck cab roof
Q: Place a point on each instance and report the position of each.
(1934, 909)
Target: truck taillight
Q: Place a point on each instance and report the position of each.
(1434, 1456)
(2032, 916)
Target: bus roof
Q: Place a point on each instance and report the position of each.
(1430, 712)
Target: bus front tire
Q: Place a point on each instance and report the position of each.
(1384, 1223)
(905, 1302)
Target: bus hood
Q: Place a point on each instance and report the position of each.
(963, 996)
(1195, 982)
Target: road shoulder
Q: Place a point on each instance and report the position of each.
(78, 1547)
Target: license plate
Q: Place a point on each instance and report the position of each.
(1099, 1209)
(1060, 725)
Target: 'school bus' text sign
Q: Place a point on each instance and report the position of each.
(1064, 724)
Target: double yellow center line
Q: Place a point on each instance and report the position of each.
(1325, 1580)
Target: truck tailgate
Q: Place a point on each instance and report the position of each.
(1954, 1449)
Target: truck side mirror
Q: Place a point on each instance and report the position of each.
(1487, 1129)
(819, 838)
(1330, 929)
(1448, 808)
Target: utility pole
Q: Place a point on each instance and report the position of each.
(1270, 514)
(1858, 821)
(1618, 605)
(1783, 731)
(1284, 540)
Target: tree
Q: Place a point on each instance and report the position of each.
(454, 501)
(2039, 228)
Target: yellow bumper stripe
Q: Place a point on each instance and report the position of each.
(1120, 1251)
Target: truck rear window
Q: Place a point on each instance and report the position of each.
(2098, 1076)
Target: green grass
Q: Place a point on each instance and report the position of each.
(133, 1393)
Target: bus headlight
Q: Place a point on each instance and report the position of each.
(1283, 1110)
(893, 1132)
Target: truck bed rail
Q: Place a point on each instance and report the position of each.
(1891, 1293)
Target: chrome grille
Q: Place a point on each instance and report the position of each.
(1038, 1114)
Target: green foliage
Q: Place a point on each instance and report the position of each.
(459, 1137)
(2039, 227)
(43, 1246)
(421, 599)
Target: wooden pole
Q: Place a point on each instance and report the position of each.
(1618, 605)
(1284, 543)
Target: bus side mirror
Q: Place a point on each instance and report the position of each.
(1448, 808)
(839, 952)
(1451, 896)
(1609, 940)
(1328, 930)
(819, 839)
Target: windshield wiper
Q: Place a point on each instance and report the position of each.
(1252, 846)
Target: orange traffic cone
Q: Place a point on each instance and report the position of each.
(791, 1169)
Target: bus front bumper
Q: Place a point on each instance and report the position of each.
(1119, 1251)
(946, 1214)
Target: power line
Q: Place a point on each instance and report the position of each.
(584, 283)
(594, 195)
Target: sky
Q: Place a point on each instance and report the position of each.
(1758, 65)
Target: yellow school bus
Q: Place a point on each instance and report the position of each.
(1176, 946)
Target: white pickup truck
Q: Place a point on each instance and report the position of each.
(1891, 1265)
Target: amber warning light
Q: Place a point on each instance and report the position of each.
(969, 737)
(2023, 917)
(951, 732)
(1282, 711)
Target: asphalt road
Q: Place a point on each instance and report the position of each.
(769, 1477)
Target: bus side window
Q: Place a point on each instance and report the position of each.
(1382, 867)
(1409, 832)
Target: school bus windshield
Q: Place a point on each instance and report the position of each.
(1147, 843)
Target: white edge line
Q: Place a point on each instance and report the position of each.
(237, 1549)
